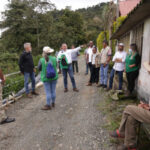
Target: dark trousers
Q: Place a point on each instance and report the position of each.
(90, 67)
(94, 74)
(131, 77)
(120, 75)
(75, 65)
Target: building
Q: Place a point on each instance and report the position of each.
(125, 6)
(136, 29)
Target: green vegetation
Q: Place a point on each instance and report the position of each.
(112, 111)
(101, 37)
(41, 24)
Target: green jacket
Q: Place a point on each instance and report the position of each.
(131, 61)
(44, 66)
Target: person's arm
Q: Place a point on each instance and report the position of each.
(109, 54)
(21, 60)
(121, 60)
(137, 61)
(74, 50)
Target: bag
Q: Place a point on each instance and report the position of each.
(50, 71)
(63, 62)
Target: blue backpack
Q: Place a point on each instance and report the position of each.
(50, 71)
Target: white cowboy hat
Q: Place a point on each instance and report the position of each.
(47, 49)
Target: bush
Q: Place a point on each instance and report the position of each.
(104, 35)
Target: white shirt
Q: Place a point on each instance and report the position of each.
(68, 53)
(93, 59)
(120, 55)
(90, 52)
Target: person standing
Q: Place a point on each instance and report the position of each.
(119, 66)
(95, 67)
(105, 58)
(86, 61)
(65, 56)
(3, 117)
(89, 55)
(27, 68)
(49, 64)
(132, 68)
(74, 56)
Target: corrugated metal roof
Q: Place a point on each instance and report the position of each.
(137, 15)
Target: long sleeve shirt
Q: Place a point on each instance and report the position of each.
(119, 66)
(68, 54)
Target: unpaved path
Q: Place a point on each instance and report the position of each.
(75, 123)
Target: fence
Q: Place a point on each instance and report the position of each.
(14, 87)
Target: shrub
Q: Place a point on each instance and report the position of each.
(104, 35)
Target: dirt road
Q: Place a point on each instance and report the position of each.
(75, 123)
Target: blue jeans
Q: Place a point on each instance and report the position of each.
(120, 75)
(104, 74)
(70, 72)
(50, 90)
(26, 81)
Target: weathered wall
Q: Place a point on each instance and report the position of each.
(144, 77)
(125, 39)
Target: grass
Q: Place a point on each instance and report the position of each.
(112, 110)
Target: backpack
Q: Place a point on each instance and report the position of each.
(63, 62)
(50, 71)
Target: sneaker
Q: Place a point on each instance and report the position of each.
(100, 85)
(108, 89)
(35, 93)
(8, 120)
(46, 107)
(89, 84)
(105, 86)
(75, 90)
(66, 90)
(29, 96)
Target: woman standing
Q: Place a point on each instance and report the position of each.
(48, 67)
(94, 78)
(132, 68)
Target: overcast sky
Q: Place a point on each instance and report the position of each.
(75, 4)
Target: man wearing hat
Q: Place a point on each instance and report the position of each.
(119, 66)
(27, 68)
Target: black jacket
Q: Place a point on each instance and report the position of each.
(26, 63)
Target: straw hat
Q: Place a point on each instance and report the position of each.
(47, 49)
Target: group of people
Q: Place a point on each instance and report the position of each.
(98, 64)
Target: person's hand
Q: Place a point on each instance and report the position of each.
(34, 70)
(82, 46)
(104, 65)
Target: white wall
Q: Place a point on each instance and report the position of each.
(144, 76)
